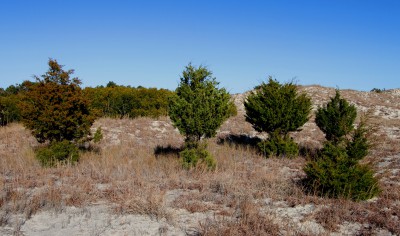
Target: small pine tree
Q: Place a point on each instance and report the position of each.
(197, 109)
(337, 172)
(277, 109)
(336, 118)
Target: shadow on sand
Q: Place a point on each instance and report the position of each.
(245, 141)
(240, 140)
(167, 151)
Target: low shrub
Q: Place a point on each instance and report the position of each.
(334, 175)
(98, 135)
(336, 172)
(192, 157)
(377, 90)
(58, 152)
(279, 145)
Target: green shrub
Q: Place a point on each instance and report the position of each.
(192, 157)
(278, 145)
(124, 101)
(277, 109)
(198, 107)
(58, 153)
(336, 118)
(337, 172)
(232, 109)
(334, 175)
(357, 147)
(98, 135)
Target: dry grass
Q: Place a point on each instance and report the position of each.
(243, 194)
(248, 221)
(131, 179)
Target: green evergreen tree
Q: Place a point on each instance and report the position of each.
(333, 175)
(277, 109)
(199, 107)
(336, 118)
(336, 172)
(358, 145)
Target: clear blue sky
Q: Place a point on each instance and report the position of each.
(338, 43)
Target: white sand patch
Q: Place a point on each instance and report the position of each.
(95, 220)
(294, 216)
(392, 132)
(387, 112)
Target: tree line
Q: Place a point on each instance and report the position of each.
(116, 101)
(119, 101)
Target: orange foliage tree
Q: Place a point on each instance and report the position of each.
(55, 108)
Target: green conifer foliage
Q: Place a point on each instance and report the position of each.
(192, 157)
(199, 107)
(357, 147)
(277, 109)
(336, 118)
(337, 172)
(63, 152)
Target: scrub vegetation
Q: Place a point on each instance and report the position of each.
(283, 159)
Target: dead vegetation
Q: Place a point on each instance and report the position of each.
(136, 171)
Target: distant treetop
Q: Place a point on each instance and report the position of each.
(57, 75)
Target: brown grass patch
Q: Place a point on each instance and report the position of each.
(247, 220)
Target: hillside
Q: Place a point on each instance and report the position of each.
(132, 183)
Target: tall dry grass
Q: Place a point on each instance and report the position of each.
(130, 178)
